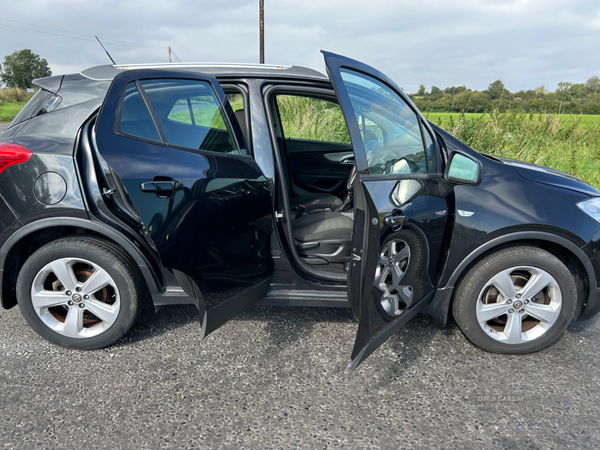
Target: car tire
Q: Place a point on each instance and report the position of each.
(402, 252)
(517, 300)
(80, 292)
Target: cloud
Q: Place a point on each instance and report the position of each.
(525, 43)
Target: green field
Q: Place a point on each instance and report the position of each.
(569, 143)
(9, 109)
(442, 118)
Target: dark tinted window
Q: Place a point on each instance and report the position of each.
(191, 114)
(430, 151)
(41, 102)
(238, 105)
(135, 118)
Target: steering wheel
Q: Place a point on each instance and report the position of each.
(371, 144)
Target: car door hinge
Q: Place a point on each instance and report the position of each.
(355, 257)
(108, 192)
(278, 215)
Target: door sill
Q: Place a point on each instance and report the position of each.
(327, 299)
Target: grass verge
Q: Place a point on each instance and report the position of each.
(9, 109)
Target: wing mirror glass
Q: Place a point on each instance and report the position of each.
(463, 169)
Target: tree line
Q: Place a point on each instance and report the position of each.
(21, 68)
(574, 98)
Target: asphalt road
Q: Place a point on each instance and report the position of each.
(275, 378)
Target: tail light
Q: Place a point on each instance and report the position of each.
(11, 154)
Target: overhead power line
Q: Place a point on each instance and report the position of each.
(85, 37)
(45, 32)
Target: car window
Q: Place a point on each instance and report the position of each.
(312, 119)
(236, 101)
(430, 148)
(190, 114)
(42, 101)
(371, 133)
(390, 130)
(135, 118)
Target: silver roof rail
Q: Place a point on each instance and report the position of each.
(194, 64)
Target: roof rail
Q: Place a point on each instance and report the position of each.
(195, 64)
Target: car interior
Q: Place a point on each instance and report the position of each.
(316, 162)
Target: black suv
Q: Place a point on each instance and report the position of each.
(223, 186)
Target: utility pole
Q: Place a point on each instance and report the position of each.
(262, 30)
(169, 54)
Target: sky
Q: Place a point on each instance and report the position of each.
(524, 43)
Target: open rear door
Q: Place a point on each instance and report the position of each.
(173, 155)
(400, 209)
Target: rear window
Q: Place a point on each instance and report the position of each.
(42, 102)
(189, 114)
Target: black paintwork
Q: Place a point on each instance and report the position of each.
(214, 226)
(217, 229)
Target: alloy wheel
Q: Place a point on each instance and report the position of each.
(392, 265)
(519, 304)
(75, 297)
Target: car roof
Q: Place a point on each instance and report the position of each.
(108, 72)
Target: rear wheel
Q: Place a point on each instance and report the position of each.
(517, 300)
(79, 293)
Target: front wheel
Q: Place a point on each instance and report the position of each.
(517, 300)
(79, 293)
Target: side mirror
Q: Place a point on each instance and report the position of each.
(463, 170)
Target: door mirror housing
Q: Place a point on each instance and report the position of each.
(463, 170)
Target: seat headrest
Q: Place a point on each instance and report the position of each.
(241, 118)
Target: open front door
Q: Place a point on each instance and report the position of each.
(401, 203)
(175, 157)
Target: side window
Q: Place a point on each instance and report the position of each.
(190, 114)
(135, 118)
(236, 101)
(390, 130)
(312, 119)
(430, 149)
(371, 133)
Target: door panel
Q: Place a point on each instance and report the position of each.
(421, 223)
(208, 213)
(401, 207)
(319, 166)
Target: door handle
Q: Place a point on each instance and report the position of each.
(396, 220)
(341, 157)
(163, 187)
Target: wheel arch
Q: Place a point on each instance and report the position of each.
(565, 250)
(27, 239)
